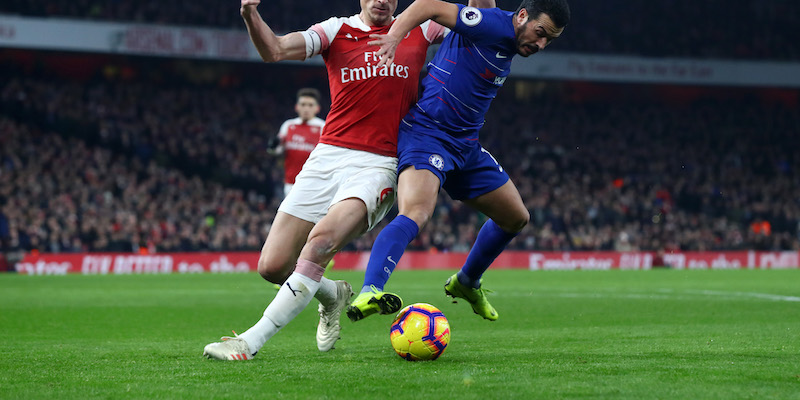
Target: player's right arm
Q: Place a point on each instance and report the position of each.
(271, 47)
(443, 13)
(275, 144)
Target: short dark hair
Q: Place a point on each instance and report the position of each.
(309, 92)
(558, 10)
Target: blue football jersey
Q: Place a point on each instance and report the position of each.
(464, 76)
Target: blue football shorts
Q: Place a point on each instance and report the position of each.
(465, 171)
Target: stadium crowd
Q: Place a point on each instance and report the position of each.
(132, 165)
(59, 194)
(678, 28)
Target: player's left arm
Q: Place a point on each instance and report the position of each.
(419, 11)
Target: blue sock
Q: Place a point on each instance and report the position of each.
(389, 246)
(490, 243)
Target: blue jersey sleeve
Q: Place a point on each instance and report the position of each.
(483, 25)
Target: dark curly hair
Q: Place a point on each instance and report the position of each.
(558, 10)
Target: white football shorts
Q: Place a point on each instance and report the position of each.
(287, 187)
(332, 174)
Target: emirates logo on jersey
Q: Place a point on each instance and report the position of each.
(371, 70)
(300, 143)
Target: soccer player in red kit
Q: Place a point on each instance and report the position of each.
(348, 183)
(297, 137)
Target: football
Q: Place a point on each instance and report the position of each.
(420, 332)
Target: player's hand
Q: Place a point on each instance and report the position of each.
(249, 6)
(273, 143)
(388, 48)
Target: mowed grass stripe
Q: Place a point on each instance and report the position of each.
(600, 334)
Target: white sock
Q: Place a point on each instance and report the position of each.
(259, 333)
(291, 299)
(326, 294)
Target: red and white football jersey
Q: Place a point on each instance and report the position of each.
(298, 139)
(367, 103)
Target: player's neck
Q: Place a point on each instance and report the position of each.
(365, 18)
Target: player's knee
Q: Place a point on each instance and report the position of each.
(319, 248)
(273, 270)
(517, 222)
(419, 216)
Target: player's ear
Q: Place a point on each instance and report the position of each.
(522, 16)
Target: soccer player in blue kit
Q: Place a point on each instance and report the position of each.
(438, 140)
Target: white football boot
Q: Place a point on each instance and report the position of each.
(329, 327)
(229, 349)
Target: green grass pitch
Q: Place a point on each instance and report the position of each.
(661, 334)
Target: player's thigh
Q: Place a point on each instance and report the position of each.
(373, 181)
(417, 191)
(286, 238)
(504, 205)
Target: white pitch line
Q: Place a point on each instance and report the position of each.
(662, 294)
(616, 295)
(765, 296)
